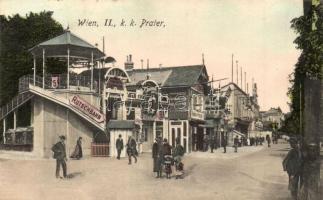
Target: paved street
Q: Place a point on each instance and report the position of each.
(253, 173)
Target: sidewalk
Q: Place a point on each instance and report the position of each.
(230, 154)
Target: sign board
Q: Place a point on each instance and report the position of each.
(115, 82)
(55, 82)
(86, 108)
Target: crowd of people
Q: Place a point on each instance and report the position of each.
(166, 158)
(210, 142)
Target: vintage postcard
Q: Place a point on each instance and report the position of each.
(148, 99)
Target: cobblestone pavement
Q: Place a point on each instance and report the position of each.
(252, 173)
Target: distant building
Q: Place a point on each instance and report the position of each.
(230, 111)
(272, 116)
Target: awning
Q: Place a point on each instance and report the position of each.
(121, 124)
(208, 124)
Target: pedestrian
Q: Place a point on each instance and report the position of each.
(160, 161)
(178, 154)
(309, 189)
(59, 150)
(131, 149)
(119, 146)
(168, 160)
(157, 161)
(236, 144)
(268, 140)
(224, 143)
(212, 143)
(292, 164)
(205, 143)
(167, 148)
(78, 153)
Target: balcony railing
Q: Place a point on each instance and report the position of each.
(77, 82)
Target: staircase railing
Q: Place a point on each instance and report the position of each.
(15, 103)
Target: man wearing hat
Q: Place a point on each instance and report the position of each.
(60, 156)
(311, 172)
(292, 164)
(119, 146)
(155, 155)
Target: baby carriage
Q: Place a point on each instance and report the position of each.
(168, 162)
(179, 166)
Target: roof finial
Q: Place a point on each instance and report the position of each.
(67, 28)
(203, 59)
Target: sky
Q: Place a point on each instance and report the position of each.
(257, 32)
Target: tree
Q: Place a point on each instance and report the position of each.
(18, 34)
(310, 62)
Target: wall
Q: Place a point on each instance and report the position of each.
(52, 120)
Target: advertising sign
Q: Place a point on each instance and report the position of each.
(86, 108)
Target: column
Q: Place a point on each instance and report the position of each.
(67, 141)
(34, 70)
(43, 68)
(92, 65)
(4, 130)
(68, 68)
(15, 119)
(154, 130)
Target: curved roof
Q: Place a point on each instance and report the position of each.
(57, 47)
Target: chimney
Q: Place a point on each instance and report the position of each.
(129, 65)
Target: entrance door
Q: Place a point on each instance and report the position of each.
(200, 137)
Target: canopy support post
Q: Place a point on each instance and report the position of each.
(68, 68)
(43, 68)
(34, 70)
(92, 65)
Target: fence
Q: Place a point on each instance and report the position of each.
(99, 149)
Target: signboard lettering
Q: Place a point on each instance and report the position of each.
(87, 108)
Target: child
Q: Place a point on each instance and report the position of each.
(168, 165)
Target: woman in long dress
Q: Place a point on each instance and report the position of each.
(78, 153)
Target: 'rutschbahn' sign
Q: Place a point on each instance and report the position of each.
(86, 108)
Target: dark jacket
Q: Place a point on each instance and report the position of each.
(155, 150)
(119, 143)
(293, 162)
(59, 151)
(167, 149)
(236, 141)
(224, 141)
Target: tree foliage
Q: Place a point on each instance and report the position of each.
(18, 35)
(309, 65)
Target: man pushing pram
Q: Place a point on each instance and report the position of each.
(178, 153)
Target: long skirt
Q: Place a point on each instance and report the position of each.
(158, 163)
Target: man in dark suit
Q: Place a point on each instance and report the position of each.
(119, 146)
(59, 150)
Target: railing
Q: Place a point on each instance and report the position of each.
(99, 149)
(16, 147)
(15, 102)
(58, 81)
